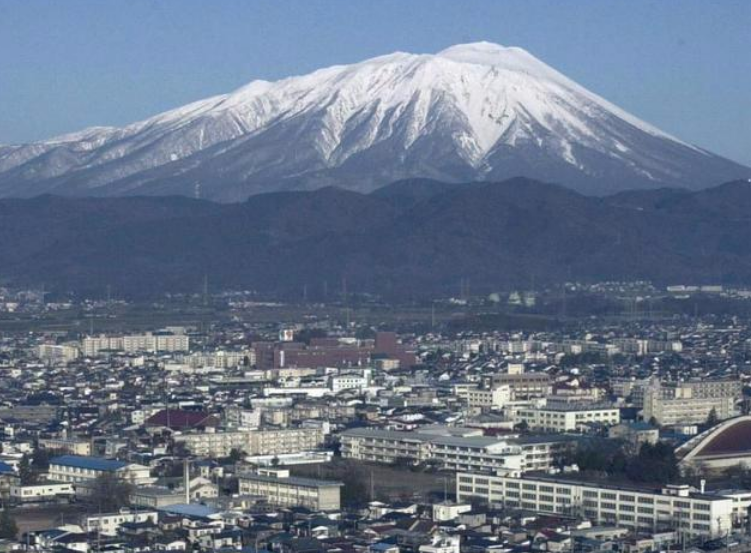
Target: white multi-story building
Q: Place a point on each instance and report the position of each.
(690, 402)
(108, 524)
(221, 359)
(350, 381)
(282, 490)
(63, 353)
(527, 384)
(253, 442)
(479, 453)
(136, 343)
(46, 491)
(639, 509)
(68, 445)
(485, 399)
(567, 417)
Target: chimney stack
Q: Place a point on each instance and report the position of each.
(186, 481)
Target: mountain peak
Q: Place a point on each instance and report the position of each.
(477, 111)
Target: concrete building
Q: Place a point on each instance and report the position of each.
(253, 442)
(350, 381)
(640, 509)
(690, 402)
(67, 445)
(635, 434)
(108, 524)
(481, 453)
(563, 417)
(63, 353)
(42, 493)
(282, 490)
(485, 399)
(81, 469)
(522, 384)
(135, 343)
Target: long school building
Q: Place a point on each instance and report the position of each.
(639, 509)
(470, 453)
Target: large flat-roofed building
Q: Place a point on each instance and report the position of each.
(485, 398)
(522, 384)
(480, 453)
(67, 445)
(572, 417)
(43, 492)
(690, 402)
(58, 353)
(108, 524)
(134, 343)
(253, 442)
(81, 469)
(290, 491)
(384, 446)
(639, 509)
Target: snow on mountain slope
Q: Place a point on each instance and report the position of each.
(473, 111)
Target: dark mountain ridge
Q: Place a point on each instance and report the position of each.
(412, 238)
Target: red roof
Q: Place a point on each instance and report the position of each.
(177, 419)
(733, 440)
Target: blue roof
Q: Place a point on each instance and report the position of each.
(5, 468)
(91, 463)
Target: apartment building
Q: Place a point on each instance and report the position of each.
(481, 453)
(485, 399)
(385, 446)
(252, 442)
(690, 402)
(135, 343)
(640, 347)
(221, 359)
(476, 453)
(53, 353)
(675, 507)
(282, 490)
(342, 382)
(562, 417)
(522, 384)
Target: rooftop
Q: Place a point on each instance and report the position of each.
(90, 463)
(293, 481)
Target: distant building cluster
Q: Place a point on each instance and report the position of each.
(315, 436)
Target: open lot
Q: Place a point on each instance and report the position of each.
(40, 518)
(371, 481)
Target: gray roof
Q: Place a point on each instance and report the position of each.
(293, 481)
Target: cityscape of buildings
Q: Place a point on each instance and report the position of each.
(336, 435)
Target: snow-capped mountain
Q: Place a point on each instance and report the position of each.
(470, 112)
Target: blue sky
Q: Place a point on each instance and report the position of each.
(684, 66)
